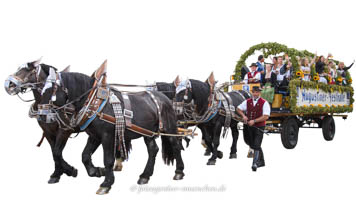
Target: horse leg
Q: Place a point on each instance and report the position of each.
(235, 137)
(56, 175)
(109, 159)
(61, 141)
(152, 149)
(215, 143)
(90, 148)
(206, 134)
(177, 147)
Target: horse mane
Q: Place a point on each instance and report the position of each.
(200, 94)
(46, 68)
(167, 89)
(77, 84)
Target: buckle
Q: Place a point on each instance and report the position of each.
(232, 108)
(128, 113)
(102, 93)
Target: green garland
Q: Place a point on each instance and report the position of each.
(293, 84)
(271, 48)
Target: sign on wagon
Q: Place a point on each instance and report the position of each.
(313, 96)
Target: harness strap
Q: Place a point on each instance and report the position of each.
(128, 114)
(227, 103)
(32, 113)
(238, 92)
(158, 109)
(119, 125)
(110, 119)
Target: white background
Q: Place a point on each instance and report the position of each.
(156, 41)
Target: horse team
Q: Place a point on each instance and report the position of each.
(62, 96)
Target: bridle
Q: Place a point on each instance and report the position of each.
(50, 110)
(181, 108)
(60, 114)
(21, 83)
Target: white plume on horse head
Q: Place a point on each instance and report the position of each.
(52, 77)
(184, 84)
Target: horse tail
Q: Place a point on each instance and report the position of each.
(128, 147)
(167, 150)
(170, 126)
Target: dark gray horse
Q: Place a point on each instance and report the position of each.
(74, 85)
(32, 76)
(197, 93)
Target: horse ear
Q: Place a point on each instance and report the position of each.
(211, 80)
(176, 81)
(67, 69)
(37, 62)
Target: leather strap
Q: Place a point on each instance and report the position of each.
(110, 119)
(128, 114)
(158, 110)
(227, 102)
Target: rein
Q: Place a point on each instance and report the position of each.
(76, 99)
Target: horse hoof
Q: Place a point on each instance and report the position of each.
(143, 181)
(207, 153)
(103, 190)
(250, 154)
(220, 154)
(118, 168)
(178, 176)
(233, 156)
(53, 180)
(74, 173)
(254, 168)
(211, 162)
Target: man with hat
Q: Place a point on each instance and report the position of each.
(253, 76)
(257, 112)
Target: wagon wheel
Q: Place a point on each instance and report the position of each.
(289, 135)
(328, 127)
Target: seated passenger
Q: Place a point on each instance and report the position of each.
(305, 67)
(320, 66)
(342, 69)
(270, 77)
(254, 76)
(286, 71)
(332, 73)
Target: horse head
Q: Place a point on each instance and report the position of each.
(30, 75)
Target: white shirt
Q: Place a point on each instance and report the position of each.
(279, 76)
(266, 107)
(257, 77)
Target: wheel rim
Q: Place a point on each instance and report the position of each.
(331, 129)
(292, 135)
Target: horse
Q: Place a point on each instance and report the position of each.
(32, 75)
(169, 89)
(74, 87)
(196, 95)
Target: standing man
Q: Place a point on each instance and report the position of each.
(261, 66)
(257, 112)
